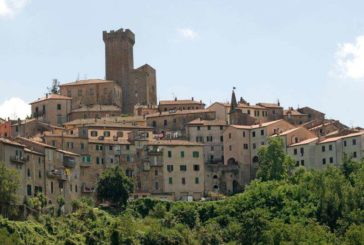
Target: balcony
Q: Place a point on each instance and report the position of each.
(155, 151)
(69, 162)
(18, 159)
(88, 189)
(59, 174)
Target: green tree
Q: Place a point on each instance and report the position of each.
(54, 88)
(114, 186)
(9, 183)
(274, 163)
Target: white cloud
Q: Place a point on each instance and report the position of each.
(14, 108)
(350, 59)
(187, 33)
(9, 8)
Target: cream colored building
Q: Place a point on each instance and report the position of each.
(52, 109)
(183, 169)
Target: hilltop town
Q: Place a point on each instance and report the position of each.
(178, 149)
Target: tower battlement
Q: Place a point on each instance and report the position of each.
(119, 35)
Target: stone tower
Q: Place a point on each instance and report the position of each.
(138, 85)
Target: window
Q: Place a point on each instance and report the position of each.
(79, 92)
(94, 133)
(253, 134)
(156, 185)
(170, 168)
(82, 146)
(230, 147)
(229, 135)
(52, 187)
(262, 132)
(324, 161)
(331, 160)
(330, 147)
(221, 127)
(195, 154)
(29, 190)
(323, 148)
(127, 147)
(254, 146)
(197, 180)
(182, 154)
(97, 160)
(354, 141)
(221, 138)
(345, 143)
(354, 154)
(106, 133)
(156, 172)
(110, 147)
(246, 146)
(76, 189)
(169, 154)
(243, 134)
(295, 152)
(183, 181)
(302, 150)
(59, 107)
(69, 93)
(165, 123)
(196, 167)
(170, 180)
(303, 162)
(154, 124)
(208, 127)
(183, 168)
(28, 172)
(198, 128)
(40, 174)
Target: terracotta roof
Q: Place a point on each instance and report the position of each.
(198, 121)
(179, 102)
(269, 105)
(289, 131)
(242, 105)
(89, 81)
(51, 97)
(256, 125)
(293, 112)
(10, 142)
(68, 152)
(29, 141)
(304, 142)
(108, 142)
(117, 125)
(332, 139)
(118, 119)
(178, 112)
(174, 143)
(98, 108)
(33, 152)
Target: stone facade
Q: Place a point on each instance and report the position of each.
(52, 109)
(174, 105)
(138, 85)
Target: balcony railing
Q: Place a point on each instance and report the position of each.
(69, 162)
(59, 174)
(18, 159)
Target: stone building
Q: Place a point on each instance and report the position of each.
(52, 109)
(30, 127)
(174, 105)
(89, 97)
(182, 169)
(176, 121)
(210, 134)
(5, 128)
(295, 117)
(242, 142)
(138, 85)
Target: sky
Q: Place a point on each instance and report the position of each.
(304, 53)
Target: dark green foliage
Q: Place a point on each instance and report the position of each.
(274, 164)
(9, 182)
(114, 186)
(307, 207)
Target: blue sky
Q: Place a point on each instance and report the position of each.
(300, 52)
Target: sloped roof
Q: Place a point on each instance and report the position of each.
(88, 81)
(51, 97)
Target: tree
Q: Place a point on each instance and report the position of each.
(54, 88)
(274, 163)
(9, 183)
(114, 186)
